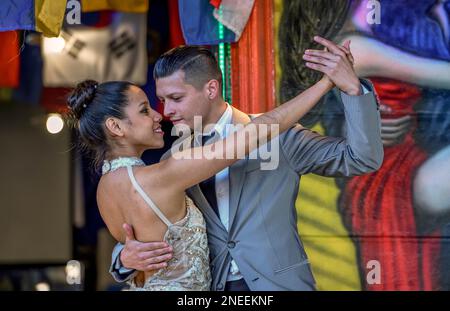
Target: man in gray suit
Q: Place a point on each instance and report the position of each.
(250, 213)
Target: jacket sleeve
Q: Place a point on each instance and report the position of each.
(360, 151)
(117, 270)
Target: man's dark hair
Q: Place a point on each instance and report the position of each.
(198, 64)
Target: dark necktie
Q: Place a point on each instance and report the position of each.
(208, 186)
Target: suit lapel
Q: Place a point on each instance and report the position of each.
(196, 193)
(237, 177)
(237, 172)
(236, 180)
(203, 204)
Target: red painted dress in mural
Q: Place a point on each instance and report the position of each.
(379, 206)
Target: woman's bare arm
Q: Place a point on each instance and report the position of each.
(376, 59)
(182, 170)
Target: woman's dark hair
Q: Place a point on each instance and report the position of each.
(90, 105)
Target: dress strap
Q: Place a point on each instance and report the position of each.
(146, 197)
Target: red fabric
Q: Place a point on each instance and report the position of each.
(215, 3)
(400, 97)
(54, 99)
(379, 206)
(252, 62)
(9, 59)
(176, 34)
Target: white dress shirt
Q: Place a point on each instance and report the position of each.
(222, 183)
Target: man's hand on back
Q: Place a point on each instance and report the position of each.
(144, 256)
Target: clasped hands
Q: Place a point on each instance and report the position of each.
(336, 63)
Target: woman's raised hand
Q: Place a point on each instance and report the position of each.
(336, 62)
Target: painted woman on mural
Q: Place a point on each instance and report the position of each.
(397, 212)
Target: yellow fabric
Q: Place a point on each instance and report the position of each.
(49, 15)
(131, 6)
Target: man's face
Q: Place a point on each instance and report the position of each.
(182, 101)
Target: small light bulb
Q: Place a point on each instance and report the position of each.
(73, 272)
(55, 123)
(42, 287)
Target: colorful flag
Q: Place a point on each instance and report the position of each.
(116, 52)
(130, 6)
(199, 25)
(96, 19)
(49, 16)
(44, 16)
(234, 14)
(17, 14)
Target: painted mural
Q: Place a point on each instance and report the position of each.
(388, 230)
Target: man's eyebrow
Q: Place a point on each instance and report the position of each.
(143, 103)
(170, 95)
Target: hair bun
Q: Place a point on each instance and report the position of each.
(81, 97)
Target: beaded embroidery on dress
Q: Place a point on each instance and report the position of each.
(188, 270)
(111, 166)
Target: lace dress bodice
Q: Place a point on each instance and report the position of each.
(188, 270)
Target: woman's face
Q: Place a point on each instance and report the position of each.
(141, 126)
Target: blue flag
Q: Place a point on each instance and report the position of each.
(45, 16)
(199, 25)
(17, 14)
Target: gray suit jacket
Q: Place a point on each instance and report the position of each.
(263, 237)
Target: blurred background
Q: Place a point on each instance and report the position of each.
(396, 220)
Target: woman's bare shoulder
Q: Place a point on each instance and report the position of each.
(110, 190)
